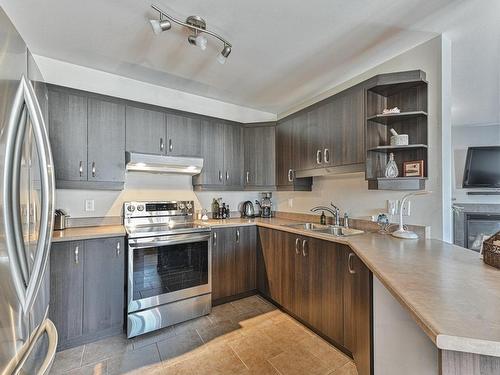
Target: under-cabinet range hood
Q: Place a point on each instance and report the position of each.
(163, 164)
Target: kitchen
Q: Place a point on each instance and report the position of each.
(136, 150)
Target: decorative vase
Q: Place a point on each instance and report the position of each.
(391, 169)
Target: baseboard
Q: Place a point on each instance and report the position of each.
(220, 301)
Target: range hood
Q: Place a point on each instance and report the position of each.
(163, 164)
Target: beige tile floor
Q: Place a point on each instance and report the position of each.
(248, 336)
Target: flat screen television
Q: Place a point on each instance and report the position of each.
(482, 167)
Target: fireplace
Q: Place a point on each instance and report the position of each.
(473, 222)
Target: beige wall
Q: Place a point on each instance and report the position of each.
(350, 193)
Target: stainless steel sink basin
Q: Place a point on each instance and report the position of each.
(332, 230)
(340, 231)
(307, 226)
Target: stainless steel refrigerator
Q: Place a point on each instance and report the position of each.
(28, 339)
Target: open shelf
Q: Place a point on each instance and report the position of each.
(396, 148)
(398, 183)
(390, 118)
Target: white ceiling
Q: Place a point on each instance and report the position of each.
(284, 52)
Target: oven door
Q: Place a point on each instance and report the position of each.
(167, 269)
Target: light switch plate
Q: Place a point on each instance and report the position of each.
(392, 206)
(407, 208)
(290, 202)
(89, 205)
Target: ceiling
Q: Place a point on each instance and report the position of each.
(282, 55)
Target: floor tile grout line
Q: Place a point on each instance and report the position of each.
(236, 354)
(278, 371)
(201, 338)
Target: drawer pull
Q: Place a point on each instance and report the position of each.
(77, 256)
(118, 249)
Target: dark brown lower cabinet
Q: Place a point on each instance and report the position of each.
(87, 290)
(312, 280)
(358, 312)
(233, 262)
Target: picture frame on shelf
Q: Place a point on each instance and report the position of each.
(413, 168)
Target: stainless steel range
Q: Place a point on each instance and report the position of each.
(169, 265)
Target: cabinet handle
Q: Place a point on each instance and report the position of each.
(304, 246)
(297, 240)
(326, 156)
(248, 177)
(93, 169)
(162, 146)
(352, 271)
(290, 175)
(227, 175)
(170, 145)
(215, 238)
(237, 236)
(80, 169)
(318, 157)
(118, 249)
(77, 257)
(220, 176)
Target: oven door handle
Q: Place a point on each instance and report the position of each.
(167, 240)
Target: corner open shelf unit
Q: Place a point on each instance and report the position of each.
(408, 92)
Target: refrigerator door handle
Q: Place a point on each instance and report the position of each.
(25, 99)
(48, 327)
(47, 192)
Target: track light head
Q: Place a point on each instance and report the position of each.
(198, 40)
(222, 56)
(160, 26)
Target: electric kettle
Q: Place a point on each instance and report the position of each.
(247, 209)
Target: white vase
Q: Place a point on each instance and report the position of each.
(391, 169)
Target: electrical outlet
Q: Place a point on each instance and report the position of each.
(392, 207)
(89, 205)
(406, 209)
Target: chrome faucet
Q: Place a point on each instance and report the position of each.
(334, 211)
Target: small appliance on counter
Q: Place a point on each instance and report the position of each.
(60, 217)
(247, 210)
(265, 204)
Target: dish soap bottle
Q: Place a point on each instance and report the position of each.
(322, 218)
(391, 169)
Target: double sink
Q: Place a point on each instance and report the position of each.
(333, 230)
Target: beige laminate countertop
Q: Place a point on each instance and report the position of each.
(451, 294)
(448, 290)
(87, 233)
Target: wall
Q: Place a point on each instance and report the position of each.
(463, 137)
(350, 193)
(79, 77)
(144, 186)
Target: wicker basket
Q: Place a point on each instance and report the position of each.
(491, 252)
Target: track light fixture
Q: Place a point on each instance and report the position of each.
(198, 27)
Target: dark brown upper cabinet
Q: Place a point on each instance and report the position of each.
(145, 130)
(259, 160)
(288, 156)
(222, 151)
(183, 135)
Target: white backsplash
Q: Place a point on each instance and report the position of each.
(144, 186)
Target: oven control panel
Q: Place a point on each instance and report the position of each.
(149, 209)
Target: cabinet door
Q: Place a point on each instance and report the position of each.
(66, 290)
(106, 141)
(259, 157)
(358, 312)
(233, 155)
(212, 143)
(223, 263)
(284, 153)
(303, 275)
(104, 286)
(326, 279)
(183, 135)
(245, 259)
(347, 137)
(290, 245)
(145, 130)
(311, 155)
(68, 135)
(269, 264)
